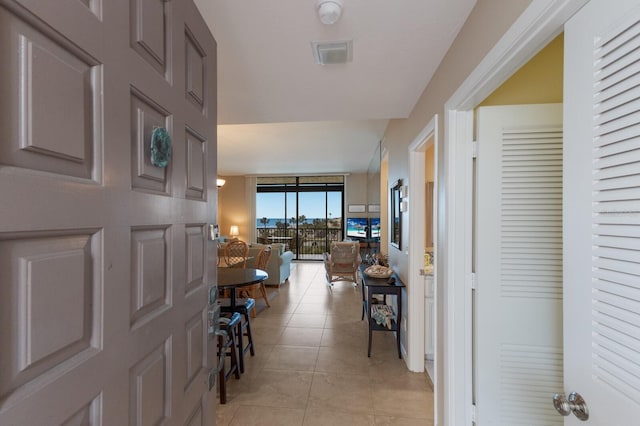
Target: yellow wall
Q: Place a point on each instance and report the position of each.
(429, 173)
(537, 82)
(429, 164)
(232, 206)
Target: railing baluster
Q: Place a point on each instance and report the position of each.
(302, 242)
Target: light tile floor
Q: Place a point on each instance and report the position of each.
(311, 365)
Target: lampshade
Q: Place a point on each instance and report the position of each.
(234, 231)
(220, 182)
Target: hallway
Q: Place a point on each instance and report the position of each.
(311, 365)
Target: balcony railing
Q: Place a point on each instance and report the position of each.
(306, 242)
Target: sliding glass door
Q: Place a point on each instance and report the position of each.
(304, 213)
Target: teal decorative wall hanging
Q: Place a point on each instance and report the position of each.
(160, 147)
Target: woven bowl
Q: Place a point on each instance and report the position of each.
(377, 271)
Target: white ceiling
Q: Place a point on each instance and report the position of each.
(279, 112)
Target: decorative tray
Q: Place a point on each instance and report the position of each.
(378, 271)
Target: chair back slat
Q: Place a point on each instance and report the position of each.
(263, 258)
(236, 253)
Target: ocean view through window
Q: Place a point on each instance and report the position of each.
(305, 213)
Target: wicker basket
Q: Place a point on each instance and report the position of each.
(377, 271)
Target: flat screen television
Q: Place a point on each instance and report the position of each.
(374, 227)
(357, 227)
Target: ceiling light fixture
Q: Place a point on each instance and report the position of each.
(220, 182)
(329, 11)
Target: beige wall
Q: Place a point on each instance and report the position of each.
(355, 191)
(384, 205)
(486, 24)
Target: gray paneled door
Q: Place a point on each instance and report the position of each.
(105, 264)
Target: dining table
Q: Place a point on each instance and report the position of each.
(233, 278)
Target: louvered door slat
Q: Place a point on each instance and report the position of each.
(616, 50)
(615, 207)
(618, 120)
(612, 184)
(606, 252)
(610, 311)
(625, 133)
(619, 231)
(603, 278)
(618, 171)
(614, 220)
(617, 85)
(615, 102)
(615, 80)
(626, 243)
(619, 147)
(609, 351)
(616, 195)
(605, 160)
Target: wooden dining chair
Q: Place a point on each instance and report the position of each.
(236, 253)
(261, 263)
(227, 347)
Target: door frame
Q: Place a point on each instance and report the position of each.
(416, 193)
(415, 293)
(539, 24)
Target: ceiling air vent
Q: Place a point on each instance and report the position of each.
(334, 52)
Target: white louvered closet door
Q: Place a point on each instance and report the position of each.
(518, 301)
(602, 207)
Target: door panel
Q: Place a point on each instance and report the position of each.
(53, 69)
(105, 261)
(602, 249)
(519, 264)
(146, 115)
(150, 32)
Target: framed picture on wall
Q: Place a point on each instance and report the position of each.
(356, 208)
(395, 200)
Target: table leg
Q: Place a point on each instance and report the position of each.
(369, 320)
(232, 298)
(398, 322)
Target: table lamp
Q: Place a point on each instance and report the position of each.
(234, 231)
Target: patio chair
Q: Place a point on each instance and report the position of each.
(341, 263)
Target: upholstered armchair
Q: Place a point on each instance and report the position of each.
(278, 266)
(341, 263)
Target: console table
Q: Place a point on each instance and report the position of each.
(371, 286)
